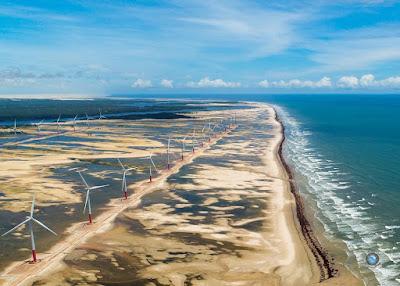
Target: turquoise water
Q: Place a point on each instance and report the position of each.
(346, 149)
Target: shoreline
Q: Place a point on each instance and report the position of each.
(322, 259)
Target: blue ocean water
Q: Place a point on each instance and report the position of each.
(345, 150)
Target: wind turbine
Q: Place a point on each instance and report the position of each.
(87, 124)
(210, 131)
(38, 124)
(74, 122)
(203, 131)
(183, 147)
(87, 120)
(124, 186)
(223, 125)
(87, 200)
(169, 143)
(193, 139)
(15, 129)
(213, 130)
(58, 123)
(30, 220)
(150, 170)
(101, 116)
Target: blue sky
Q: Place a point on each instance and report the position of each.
(155, 46)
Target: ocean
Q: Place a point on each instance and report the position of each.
(344, 151)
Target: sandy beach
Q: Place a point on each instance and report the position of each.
(227, 215)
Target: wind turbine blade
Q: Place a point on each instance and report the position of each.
(83, 179)
(98, 187)
(43, 225)
(15, 227)
(33, 204)
(119, 161)
(151, 160)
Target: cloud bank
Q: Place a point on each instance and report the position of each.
(367, 81)
(296, 83)
(213, 83)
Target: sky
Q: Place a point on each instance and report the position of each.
(189, 46)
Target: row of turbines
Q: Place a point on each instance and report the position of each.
(58, 122)
(208, 133)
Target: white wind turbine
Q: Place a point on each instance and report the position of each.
(209, 131)
(150, 169)
(30, 220)
(87, 120)
(213, 130)
(15, 129)
(183, 147)
(169, 143)
(38, 125)
(203, 131)
(74, 122)
(223, 125)
(87, 124)
(58, 123)
(87, 200)
(101, 116)
(194, 140)
(125, 171)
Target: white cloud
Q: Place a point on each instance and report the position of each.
(393, 81)
(296, 83)
(264, 83)
(348, 82)
(167, 83)
(368, 81)
(216, 83)
(141, 83)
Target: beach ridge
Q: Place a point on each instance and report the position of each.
(321, 256)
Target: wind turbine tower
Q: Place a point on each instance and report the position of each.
(30, 220)
(88, 204)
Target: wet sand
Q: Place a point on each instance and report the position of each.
(227, 216)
